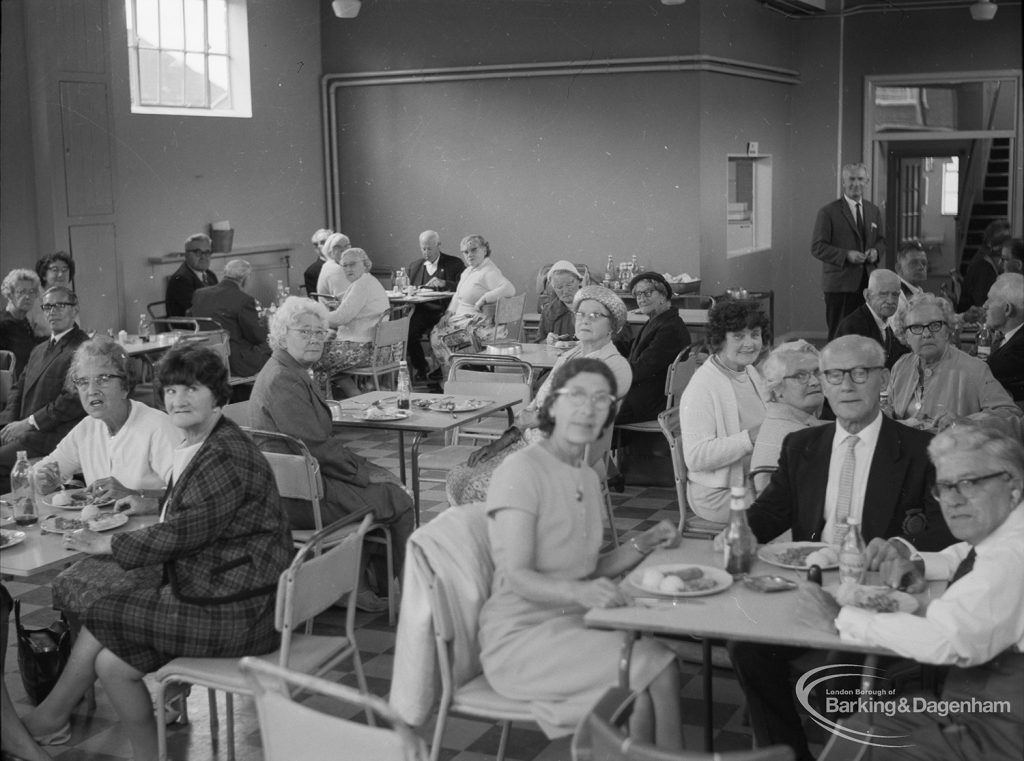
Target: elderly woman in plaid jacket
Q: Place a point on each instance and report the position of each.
(214, 560)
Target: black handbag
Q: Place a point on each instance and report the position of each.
(42, 654)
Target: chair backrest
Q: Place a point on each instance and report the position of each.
(669, 423)
(492, 390)
(505, 369)
(8, 368)
(237, 412)
(389, 342)
(317, 578)
(296, 471)
(157, 309)
(679, 374)
(215, 339)
(287, 725)
(508, 313)
(601, 737)
(544, 294)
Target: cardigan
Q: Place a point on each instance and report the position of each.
(361, 308)
(484, 281)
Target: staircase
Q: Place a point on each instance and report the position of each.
(994, 201)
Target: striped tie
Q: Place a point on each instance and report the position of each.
(845, 496)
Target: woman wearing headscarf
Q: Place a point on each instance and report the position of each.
(557, 321)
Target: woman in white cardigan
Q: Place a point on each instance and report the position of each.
(722, 408)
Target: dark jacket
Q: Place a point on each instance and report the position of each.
(557, 318)
(180, 287)
(650, 355)
(835, 233)
(312, 275)
(235, 311)
(17, 336)
(861, 322)
(1007, 365)
(898, 500)
(449, 269)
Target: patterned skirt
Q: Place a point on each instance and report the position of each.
(339, 356)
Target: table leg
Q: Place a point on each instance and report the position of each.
(625, 656)
(416, 477)
(401, 457)
(709, 729)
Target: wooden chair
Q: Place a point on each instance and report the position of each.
(8, 372)
(237, 412)
(508, 314)
(388, 350)
(290, 729)
(312, 583)
(490, 369)
(602, 736)
(690, 524)
(679, 373)
(297, 474)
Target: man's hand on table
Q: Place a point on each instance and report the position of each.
(891, 559)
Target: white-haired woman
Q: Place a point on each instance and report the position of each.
(332, 281)
(937, 384)
(793, 381)
(480, 284)
(285, 399)
(363, 306)
(20, 290)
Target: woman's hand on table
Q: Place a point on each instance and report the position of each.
(105, 489)
(134, 504)
(89, 542)
(663, 536)
(601, 593)
(47, 477)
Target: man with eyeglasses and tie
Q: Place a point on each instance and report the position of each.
(864, 466)
(976, 626)
(42, 408)
(849, 243)
(192, 275)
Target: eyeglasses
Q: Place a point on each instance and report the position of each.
(309, 333)
(57, 305)
(577, 397)
(967, 488)
(857, 374)
(591, 316)
(804, 376)
(26, 292)
(102, 381)
(933, 327)
(58, 268)
(643, 293)
(200, 251)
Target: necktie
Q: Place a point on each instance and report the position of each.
(997, 339)
(860, 226)
(844, 498)
(965, 567)
(890, 345)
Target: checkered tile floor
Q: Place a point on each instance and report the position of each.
(97, 736)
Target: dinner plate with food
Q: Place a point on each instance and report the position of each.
(59, 524)
(10, 537)
(458, 405)
(73, 499)
(799, 556)
(384, 413)
(880, 599)
(680, 580)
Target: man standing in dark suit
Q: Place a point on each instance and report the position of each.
(42, 408)
(440, 272)
(870, 319)
(1004, 311)
(193, 274)
(234, 310)
(849, 242)
(312, 273)
(862, 466)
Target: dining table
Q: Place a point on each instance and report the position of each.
(735, 612)
(427, 416)
(403, 302)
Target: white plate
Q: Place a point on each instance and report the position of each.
(864, 595)
(562, 345)
(458, 405)
(49, 505)
(772, 554)
(58, 524)
(11, 538)
(385, 416)
(721, 579)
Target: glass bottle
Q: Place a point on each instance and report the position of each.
(740, 543)
(983, 342)
(404, 386)
(609, 272)
(22, 491)
(885, 403)
(851, 554)
(145, 328)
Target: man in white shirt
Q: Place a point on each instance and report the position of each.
(863, 466)
(976, 626)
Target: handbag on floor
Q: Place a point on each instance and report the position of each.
(42, 654)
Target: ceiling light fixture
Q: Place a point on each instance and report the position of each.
(346, 8)
(984, 10)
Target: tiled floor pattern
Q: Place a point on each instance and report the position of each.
(97, 736)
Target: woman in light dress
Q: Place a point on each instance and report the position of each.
(544, 509)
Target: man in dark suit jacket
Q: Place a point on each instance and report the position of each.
(235, 311)
(42, 408)
(312, 273)
(1004, 311)
(870, 319)
(849, 242)
(440, 272)
(193, 274)
(891, 495)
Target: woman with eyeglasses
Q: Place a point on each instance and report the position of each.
(654, 349)
(544, 508)
(793, 381)
(723, 407)
(20, 290)
(937, 384)
(599, 315)
(286, 400)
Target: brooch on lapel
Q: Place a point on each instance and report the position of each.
(914, 522)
